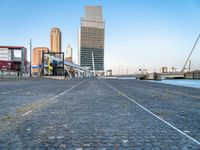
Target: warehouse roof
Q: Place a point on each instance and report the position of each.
(12, 47)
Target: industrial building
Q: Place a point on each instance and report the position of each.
(91, 39)
(36, 60)
(9, 62)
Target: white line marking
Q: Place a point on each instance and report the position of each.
(178, 93)
(28, 112)
(194, 140)
(168, 91)
(67, 90)
(52, 99)
(4, 93)
(12, 91)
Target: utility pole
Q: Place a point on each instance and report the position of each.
(30, 55)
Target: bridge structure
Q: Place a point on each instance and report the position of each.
(53, 64)
(153, 76)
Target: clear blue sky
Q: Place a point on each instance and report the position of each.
(138, 33)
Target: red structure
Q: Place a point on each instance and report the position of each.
(12, 64)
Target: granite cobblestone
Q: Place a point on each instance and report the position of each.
(93, 116)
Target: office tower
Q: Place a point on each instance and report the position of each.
(68, 53)
(91, 39)
(55, 40)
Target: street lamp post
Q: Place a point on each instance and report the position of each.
(30, 55)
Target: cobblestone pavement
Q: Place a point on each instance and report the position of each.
(14, 95)
(91, 115)
(178, 105)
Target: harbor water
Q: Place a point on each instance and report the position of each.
(182, 82)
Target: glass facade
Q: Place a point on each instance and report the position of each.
(91, 38)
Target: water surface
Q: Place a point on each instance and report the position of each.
(182, 82)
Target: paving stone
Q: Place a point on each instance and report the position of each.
(93, 116)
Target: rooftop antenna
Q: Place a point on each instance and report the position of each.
(190, 54)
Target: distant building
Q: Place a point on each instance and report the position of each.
(164, 70)
(109, 73)
(192, 74)
(36, 59)
(69, 53)
(91, 39)
(8, 61)
(55, 40)
(6, 54)
(37, 55)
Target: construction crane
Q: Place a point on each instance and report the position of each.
(190, 53)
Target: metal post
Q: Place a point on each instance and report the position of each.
(93, 63)
(30, 56)
(22, 61)
(63, 54)
(49, 71)
(42, 63)
(189, 65)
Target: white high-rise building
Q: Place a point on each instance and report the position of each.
(69, 53)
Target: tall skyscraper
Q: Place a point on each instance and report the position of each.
(68, 53)
(55, 40)
(91, 39)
